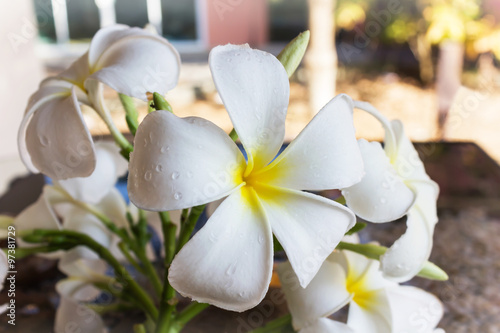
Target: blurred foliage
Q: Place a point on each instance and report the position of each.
(423, 23)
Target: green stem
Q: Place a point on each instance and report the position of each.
(124, 249)
(168, 302)
(275, 325)
(131, 114)
(121, 273)
(233, 135)
(191, 311)
(188, 227)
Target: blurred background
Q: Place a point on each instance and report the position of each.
(431, 63)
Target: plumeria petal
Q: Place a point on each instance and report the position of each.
(404, 259)
(375, 318)
(323, 296)
(133, 61)
(363, 273)
(407, 162)
(181, 162)
(57, 139)
(390, 144)
(255, 89)
(39, 215)
(82, 273)
(381, 196)
(72, 316)
(228, 263)
(325, 155)
(308, 226)
(325, 325)
(110, 165)
(414, 310)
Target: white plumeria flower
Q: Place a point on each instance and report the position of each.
(75, 316)
(110, 165)
(376, 305)
(396, 184)
(45, 212)
(53, 137)
(183, 162)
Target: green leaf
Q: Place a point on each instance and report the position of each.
(276, 244)
(292, 54)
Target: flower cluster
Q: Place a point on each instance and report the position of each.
(268, 197)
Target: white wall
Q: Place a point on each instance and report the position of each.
(20, 73)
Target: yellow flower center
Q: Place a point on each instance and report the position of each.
(357, 285)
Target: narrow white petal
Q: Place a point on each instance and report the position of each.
(254, 88)
(133, 62)
(57, 139)
(308, 226)
(404, 259)
(325, 325)
(228, 263)
(323, 296)
(325, 155)
(414, 310)
(93, 188)
(81, 221)
(407, 161)
(181, 162)
(390, 141)
(72, 316)
(375, 318)
(381, 196)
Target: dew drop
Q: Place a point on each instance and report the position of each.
(213, 237)
(241, 294)
(151, 137)
(145, 142)
(159, 168)
(231, 269)
(147, 176)
(261, 239)
(44, 140)
(177, 196)
(175, 175)
(164, 149)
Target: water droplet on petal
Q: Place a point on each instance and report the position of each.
(231, 269)
(175, 175)
(159, 168)
(147, 176)
(164, 149)
(261, 239)
(145, 142)
(44, 141)
(177, 196)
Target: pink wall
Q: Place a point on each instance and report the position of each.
(237, 22)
